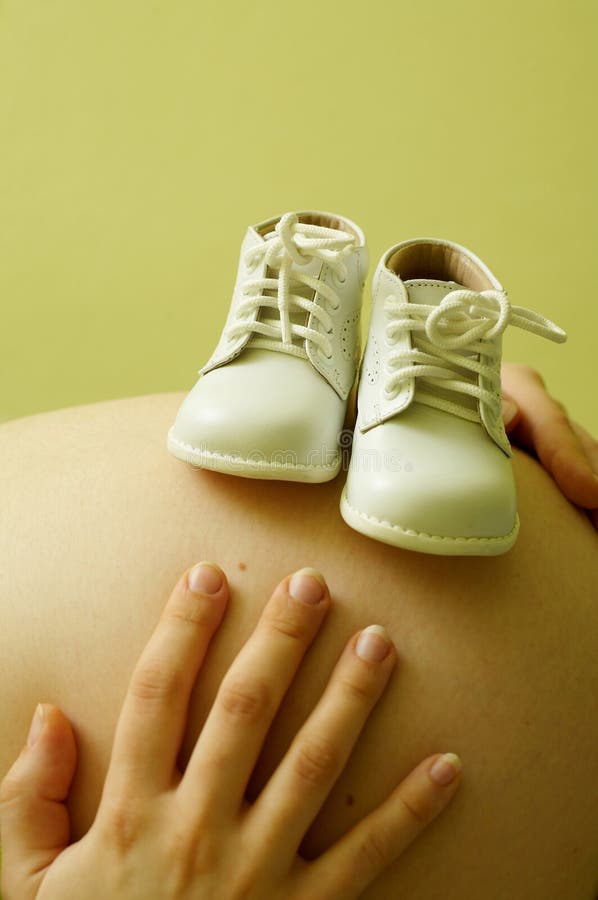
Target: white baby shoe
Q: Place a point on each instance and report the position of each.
(430, 467)
(271, 400)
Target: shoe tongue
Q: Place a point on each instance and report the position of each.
(431, 291)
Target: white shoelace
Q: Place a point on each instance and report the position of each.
(293, 244)
(464, 321)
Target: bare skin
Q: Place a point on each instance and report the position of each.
(495, 657)
(166, 835)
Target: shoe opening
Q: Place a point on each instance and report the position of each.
(320, 219)
(439, 261)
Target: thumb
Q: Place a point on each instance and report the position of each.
(510, 412)
(34, 821)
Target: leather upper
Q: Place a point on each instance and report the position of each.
(432, 473)
(340, 370)
(374, 407)
(420, 473)
(266, 408)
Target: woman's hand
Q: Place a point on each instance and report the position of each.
(537, 422)
(160, 833)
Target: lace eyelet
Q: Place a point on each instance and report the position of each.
(338, 279)
(251, 266)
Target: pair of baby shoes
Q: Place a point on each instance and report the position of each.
(430, 466)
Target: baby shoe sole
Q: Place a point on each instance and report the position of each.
(407, 538)
(249, 468)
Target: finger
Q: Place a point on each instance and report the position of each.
(297, 790)
(250, 693)
(33, 815)
(356, 859)
(152, 721)
(589, 445)
(545, 429)
(510, 412)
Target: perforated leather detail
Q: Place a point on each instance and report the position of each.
(349, 336)
(372, 372)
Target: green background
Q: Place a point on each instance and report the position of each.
(139, 139)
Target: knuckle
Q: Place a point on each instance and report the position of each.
(155, 681)
(121, 824)
(416, 808)
(529, 372)
(557, 461)
(375, 848)
(559, 413)
(316, 761)
(187, 609)
(245, 699)
(289, 626)
(187, 856)
(364, 690)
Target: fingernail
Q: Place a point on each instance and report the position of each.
(205, 578)
(307, 585)
(445, 768)
(37, 724)
(509, 411)
(373, 643)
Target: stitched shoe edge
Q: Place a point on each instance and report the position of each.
(249, 468)
(409, 539)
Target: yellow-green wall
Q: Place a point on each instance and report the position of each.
(139, 139)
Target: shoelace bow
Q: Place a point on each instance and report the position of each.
(464, 321)
(293, 244)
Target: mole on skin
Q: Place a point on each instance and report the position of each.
(242, 566)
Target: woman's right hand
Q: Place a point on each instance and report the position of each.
(537, 422)
(160, 833)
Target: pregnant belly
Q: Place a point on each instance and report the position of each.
(496, 657)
